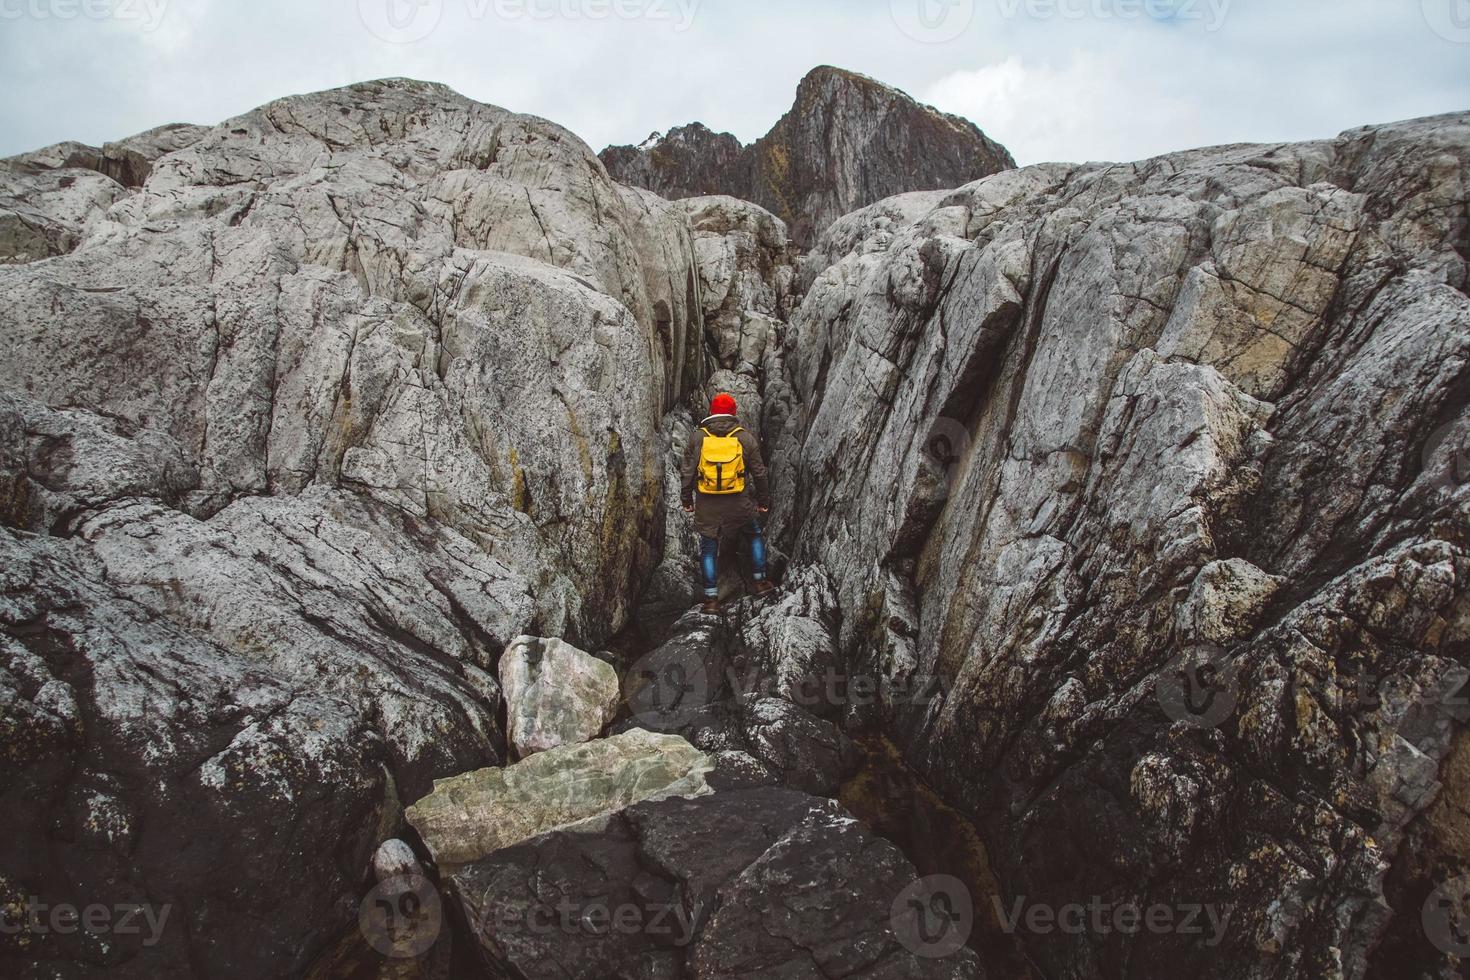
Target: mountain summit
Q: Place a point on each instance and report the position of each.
(847, 142)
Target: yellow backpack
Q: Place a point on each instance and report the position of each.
(721, 464)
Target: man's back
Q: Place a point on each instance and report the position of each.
(731, 495)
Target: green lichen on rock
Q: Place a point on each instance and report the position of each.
(471, 816)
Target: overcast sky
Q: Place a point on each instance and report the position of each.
(1052, 79)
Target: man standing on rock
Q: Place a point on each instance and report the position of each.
(725, 488)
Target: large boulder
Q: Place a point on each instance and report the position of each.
(755, 883)
(473, 815)
(129, 161)
(51, 198)
(756, 740)
(555, 694)
(50, 212)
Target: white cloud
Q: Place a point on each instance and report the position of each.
(1049, 87)
(1069, 109)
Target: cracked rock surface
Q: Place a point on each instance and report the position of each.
(1066, 426)
(305, 416)
(761, 882)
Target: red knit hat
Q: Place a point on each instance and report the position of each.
(722, 404)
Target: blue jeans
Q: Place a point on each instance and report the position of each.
(709, 557)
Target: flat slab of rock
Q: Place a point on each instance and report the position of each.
(471, 816)
(555, 694)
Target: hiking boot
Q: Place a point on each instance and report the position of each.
(711, 607)
(764, 587)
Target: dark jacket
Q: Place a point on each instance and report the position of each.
(723, 515)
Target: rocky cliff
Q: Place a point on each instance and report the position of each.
(1160, 468)
(1122, 527)
(847, 142)
(354, 390)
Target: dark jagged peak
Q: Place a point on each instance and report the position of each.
(688, 161)
(847, 141)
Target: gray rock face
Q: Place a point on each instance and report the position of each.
(555, 694)
(687, 161)
(847, 142)
(353, 390)
(747, 275)
(761, 689)
(130, 161)
(1069, 424)
(747, 271)
(790, 643)
(49, 214)
(1159, 469)
(127, 161)
(306, 305)
(50, 198)
(145, 764)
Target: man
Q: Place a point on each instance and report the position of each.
(725, 488)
